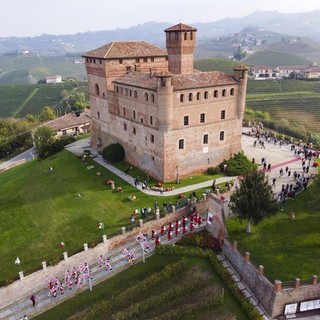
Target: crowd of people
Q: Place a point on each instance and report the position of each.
(72, 278)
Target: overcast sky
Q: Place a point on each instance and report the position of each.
(35, 17)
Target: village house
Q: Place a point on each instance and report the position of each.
(53, 79)
(71, 124)
(288, 71)
(263, 72)
(171, 120)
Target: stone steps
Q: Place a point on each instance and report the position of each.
(118, 262)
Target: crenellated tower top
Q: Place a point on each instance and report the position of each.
(180, 42)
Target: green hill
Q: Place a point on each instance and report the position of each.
(223, 65)
(295, 100)
(30, 69)
(274, 59)
(20, 100)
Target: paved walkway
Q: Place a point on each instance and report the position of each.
(276, 156)
(118, 262)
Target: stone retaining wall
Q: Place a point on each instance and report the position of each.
(271, 297)
(34, 282)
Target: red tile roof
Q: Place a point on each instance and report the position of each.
(180, 27)
(69, 120)
(126, 49)
(179, 82)
(201, 80)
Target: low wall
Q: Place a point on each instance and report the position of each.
(34, 282)
(271, 297)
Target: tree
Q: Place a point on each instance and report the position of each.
(79, 101)
(43, 138)
(46, 114)
(254, 199)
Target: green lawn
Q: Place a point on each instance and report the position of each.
(183, 182)
(198, 269)
(40, 208)
(287, 249)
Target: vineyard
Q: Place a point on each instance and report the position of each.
(20, 100)
(294, 100)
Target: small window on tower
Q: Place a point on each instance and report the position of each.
(185, 36)
(181, 144)
(186, 120)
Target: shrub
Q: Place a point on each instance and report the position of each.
(238, 165)
(113, 153)
(214, 170)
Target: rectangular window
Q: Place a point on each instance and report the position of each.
(152, 138)
(151, 120)
(145, 59)
(205, 139)
(124, 111)
(202, 117)
(223, 114)
(134, 131)
(141, 120)
(186, 120)
(134, 114)
(137, 60)
(125, 127)
(221, 135)
(181, 144)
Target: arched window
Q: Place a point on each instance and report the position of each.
(224, 92)
(98, 115)
(152, 97)
(198, 95)
(206, 94)
(135, 94)
(146, 96)
(190, 96)
(181, 97)
(215, 93)
(97, 89)
(121, 90)
(232, 92)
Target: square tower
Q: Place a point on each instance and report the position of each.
(180, 42)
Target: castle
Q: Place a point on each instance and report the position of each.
(171, 120)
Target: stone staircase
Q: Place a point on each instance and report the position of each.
(18, 309)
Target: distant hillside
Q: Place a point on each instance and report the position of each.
(273, 59)
(20, 100)
(297, 24)
(29, 69)
(223, 65)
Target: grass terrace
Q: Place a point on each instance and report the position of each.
(40, 208)
(287, 249)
